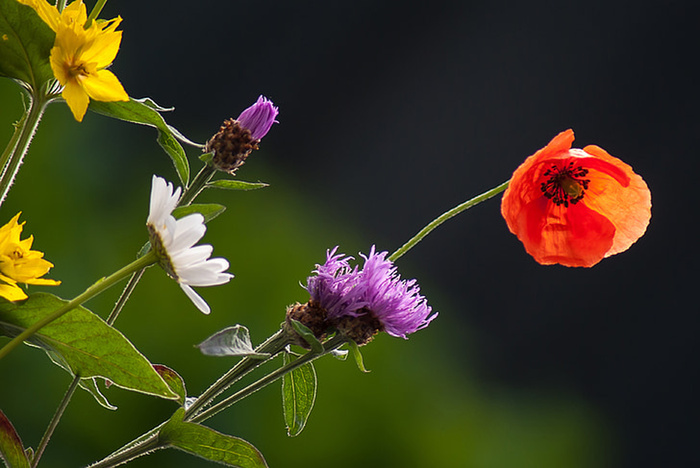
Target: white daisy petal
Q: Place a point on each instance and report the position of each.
(196, 299)
(188, 263)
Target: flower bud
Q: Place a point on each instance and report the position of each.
(237, 138)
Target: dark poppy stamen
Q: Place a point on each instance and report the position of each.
(565, 185)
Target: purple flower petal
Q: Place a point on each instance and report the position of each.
(259, 117)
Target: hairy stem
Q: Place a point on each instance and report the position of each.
(12, 159)
(54, 421)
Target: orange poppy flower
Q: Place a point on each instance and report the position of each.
(575, 206)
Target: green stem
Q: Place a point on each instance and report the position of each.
(60, 5)
(11, 161)
(149, 441)
(444, 217)
(197, 185)
(273, 345)
(95, 12)
(146, 443)
(54, 421)
(89, 293)
(331, 345)
(12, 144)
(126, 293)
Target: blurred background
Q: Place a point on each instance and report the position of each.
(390, 114)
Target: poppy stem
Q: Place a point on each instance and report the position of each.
(444, 217)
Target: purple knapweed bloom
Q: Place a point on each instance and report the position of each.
(396, 303)
(237, 138)
(259, 117)
(335, 286)
(362, 302)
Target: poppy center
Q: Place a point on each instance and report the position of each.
(566, 184)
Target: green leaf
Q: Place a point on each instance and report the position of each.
(298, 396)
(209, 444)
(357, 355)
(11, 448)
(25, 44)
(84, 344)
(209, 210)
(174, 381)
(90, 386)
(231, 341)
(146, 112)
(308, 336)
(236, 184)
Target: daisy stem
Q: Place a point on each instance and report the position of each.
(12, 157)
(444, 217)
(97, 288)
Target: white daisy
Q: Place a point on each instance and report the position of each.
(173, 241)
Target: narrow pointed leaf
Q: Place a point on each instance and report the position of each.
(231, 341)
(146, 112)
(298, 396)
(11, 448)
(174, 381)
(209, 210)
(84, 344)
(209, 444)
(236, 184)
(25, 44)
(308, 336)
(357, 354)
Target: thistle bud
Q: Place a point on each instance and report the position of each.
(237, 138)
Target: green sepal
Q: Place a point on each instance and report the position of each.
(209, 210)
(231, 341)
(174, 381)
(298, 395)
(90, 386)
(229, 184)
(206, 157)
(308, 336)
(25, 45)
(146, 112)
(11, 448)
(355, 350)
(84, 344)
(209, 444)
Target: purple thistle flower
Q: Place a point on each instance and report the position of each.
(376, 290)
(335, 286)
(259, 117)
(396, 303)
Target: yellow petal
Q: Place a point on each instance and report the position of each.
(104, 86)
(103, 49)
(47, 12)
(76, 98)
(12, 292)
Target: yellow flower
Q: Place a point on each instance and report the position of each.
(80, 56)
(18, 263)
